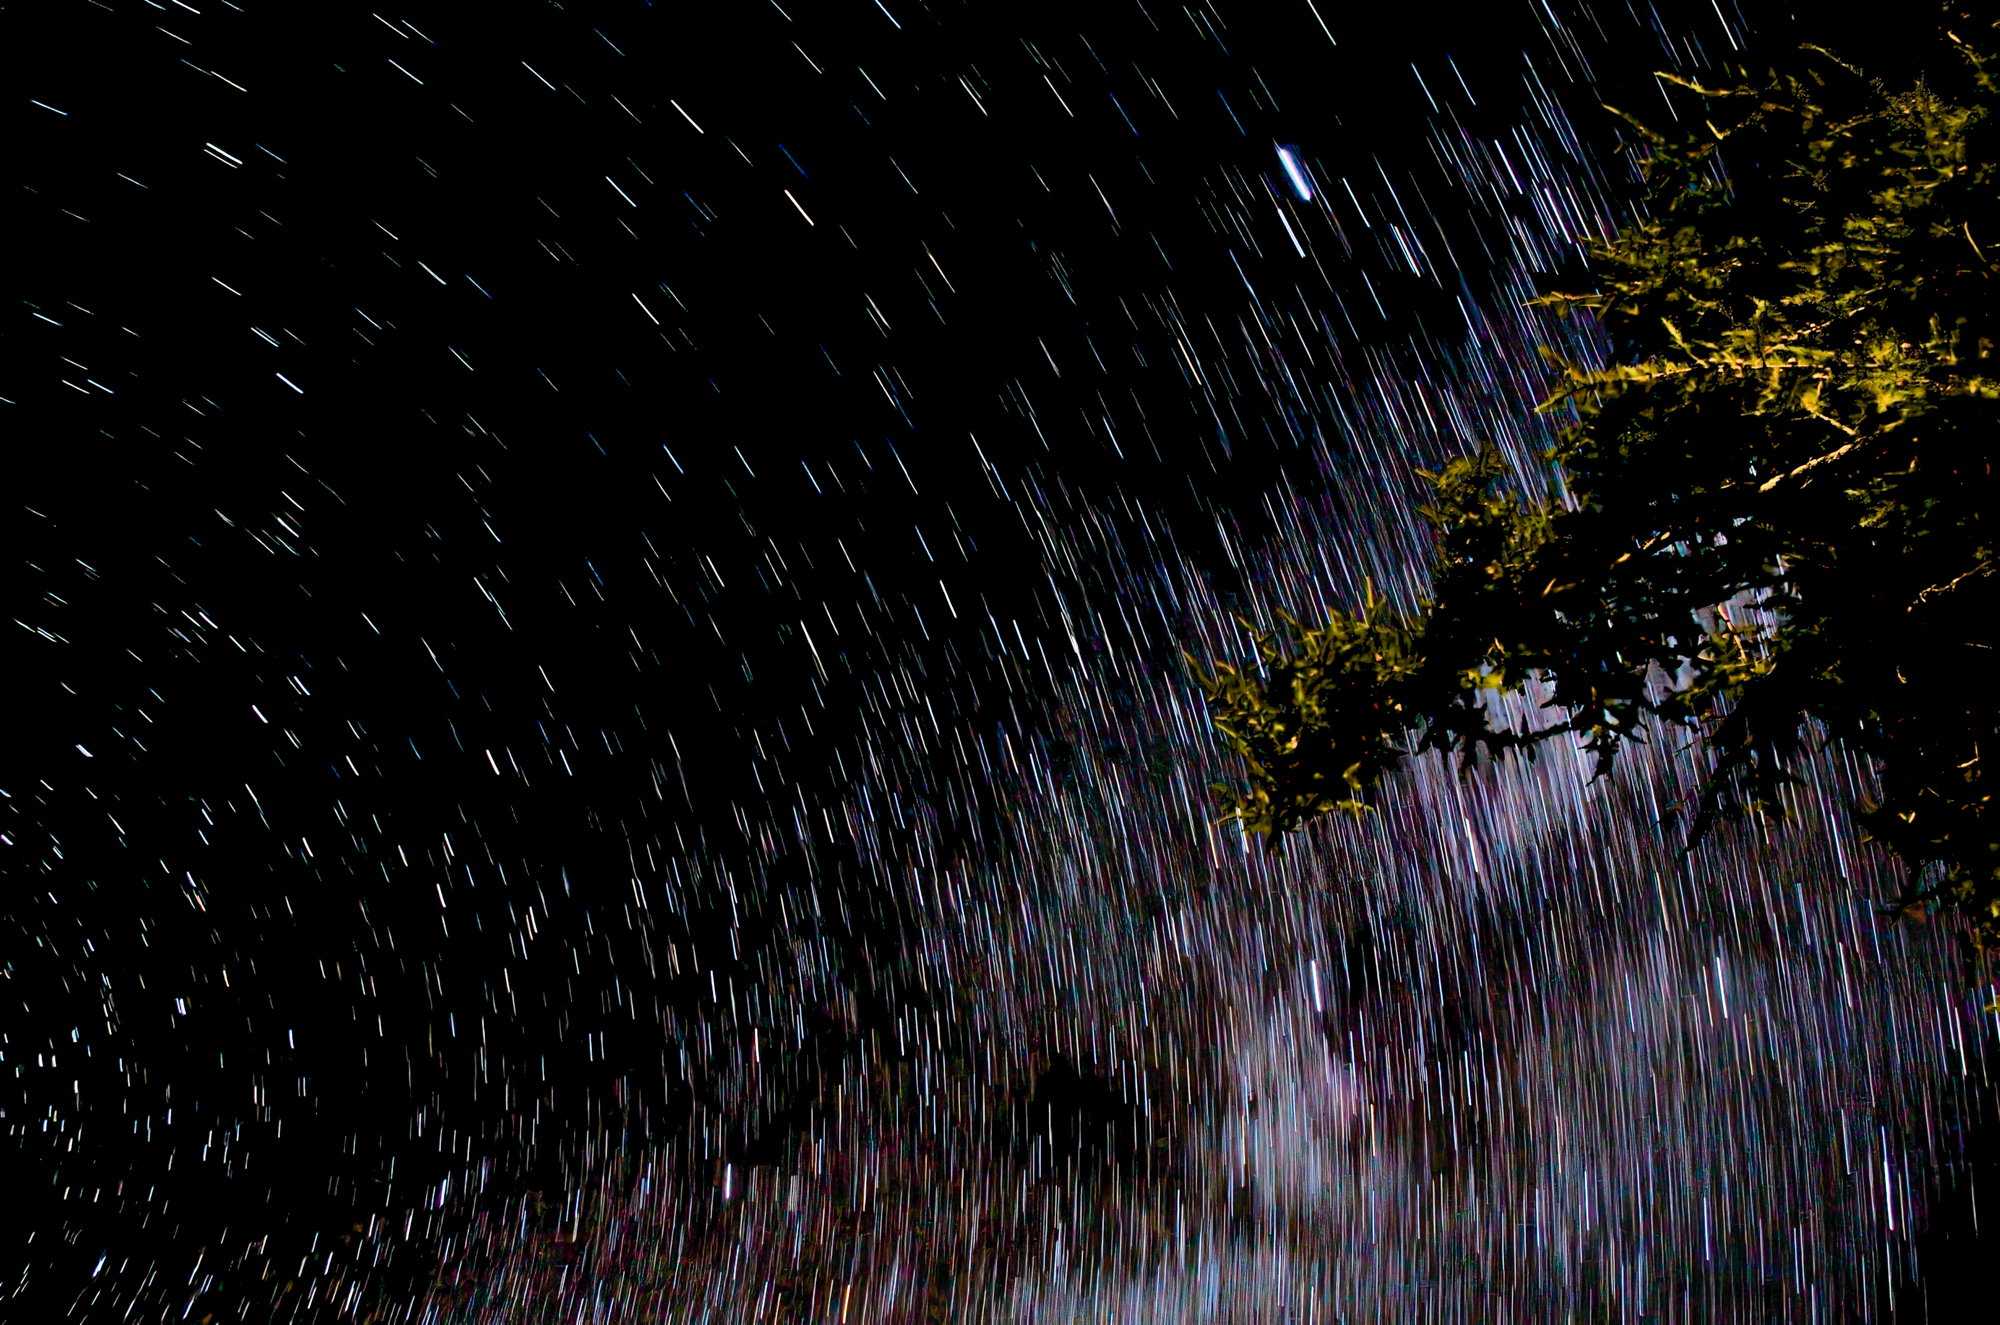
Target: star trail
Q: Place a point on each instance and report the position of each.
(603, 732)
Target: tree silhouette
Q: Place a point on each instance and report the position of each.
(1768, 520)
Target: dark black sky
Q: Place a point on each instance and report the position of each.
(564, 428)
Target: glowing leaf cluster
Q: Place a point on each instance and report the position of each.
(1772, 515)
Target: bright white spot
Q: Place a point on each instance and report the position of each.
(1295, 171)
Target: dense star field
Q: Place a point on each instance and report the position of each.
(601, 731)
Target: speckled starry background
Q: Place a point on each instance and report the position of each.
(600, 721)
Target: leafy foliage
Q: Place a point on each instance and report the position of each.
(1772, 505)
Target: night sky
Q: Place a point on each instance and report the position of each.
(600, 723)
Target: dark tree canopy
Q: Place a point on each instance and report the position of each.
(1767, 522)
